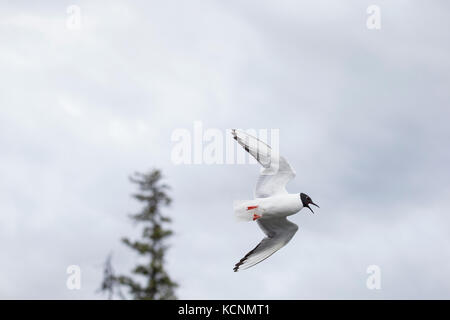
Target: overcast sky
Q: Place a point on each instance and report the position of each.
(362, 114)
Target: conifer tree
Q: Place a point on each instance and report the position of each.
(149, 280)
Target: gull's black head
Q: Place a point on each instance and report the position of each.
(306, 200)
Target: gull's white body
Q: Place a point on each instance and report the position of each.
(272, 203)
(279, 205)
(282, 205)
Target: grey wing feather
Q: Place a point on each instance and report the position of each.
(276, 171)
(279, 231)
(271, 182)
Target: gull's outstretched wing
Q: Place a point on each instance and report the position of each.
(279, 231)
(276, 172)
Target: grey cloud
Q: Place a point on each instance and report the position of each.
(362, 117)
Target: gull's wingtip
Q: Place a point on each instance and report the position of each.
(233, 132)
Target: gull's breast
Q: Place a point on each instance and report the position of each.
(281, 206)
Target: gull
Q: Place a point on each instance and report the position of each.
(272, 204)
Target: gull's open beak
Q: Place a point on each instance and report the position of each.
(313, 205)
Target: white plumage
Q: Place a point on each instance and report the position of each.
(272, 203)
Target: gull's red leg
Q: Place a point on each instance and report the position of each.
(256, 216)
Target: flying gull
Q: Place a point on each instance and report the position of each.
(272, 203)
